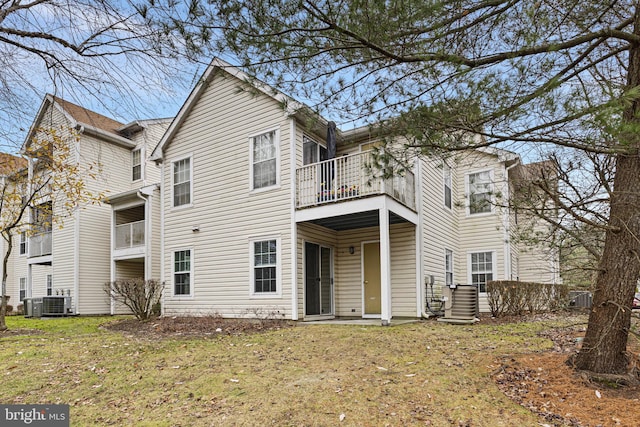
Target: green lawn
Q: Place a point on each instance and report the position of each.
(426, 373)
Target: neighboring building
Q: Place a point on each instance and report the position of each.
(11, 167)
(99, 242)
(259, 218)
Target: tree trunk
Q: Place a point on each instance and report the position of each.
(8, 237)
(605, 344)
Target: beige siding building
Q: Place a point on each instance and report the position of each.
(77, 255)
(264, 216)
(249, 205)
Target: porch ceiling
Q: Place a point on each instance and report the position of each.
(356, 220)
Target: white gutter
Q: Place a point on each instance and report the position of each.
(107, 136)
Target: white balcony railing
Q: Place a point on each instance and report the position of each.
(40, 244)
(349, 177)
(130, 235)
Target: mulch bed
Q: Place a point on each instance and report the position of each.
(205, 326)
(545, 384)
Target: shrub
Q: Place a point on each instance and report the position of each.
(516, 298)
(141, 296)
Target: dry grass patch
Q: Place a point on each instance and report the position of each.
(426, 373)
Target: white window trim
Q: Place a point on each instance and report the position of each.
(494, 264)
(177, 159)
(276, 139)
(142, 163)
(26, 244)
(445, 167)
(191, 271)
(21, 281)
(453, 275)
(263, 295)
(48, 280)
(318, 145)
(467, 192)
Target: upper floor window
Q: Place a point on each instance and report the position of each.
(182, 272)
(446, 179)
(264, 160)
(481, 267)
(42, 217)
(182, 178)
(136, 164)
(479, 187)
(24, 245)
(448, 267)
(265, 265)
(312, 152)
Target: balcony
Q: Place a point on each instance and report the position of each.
(40, 244)
(349, 177)
(130, 235)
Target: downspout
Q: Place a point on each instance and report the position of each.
(76, 250)
(147, 234)
(420, 291)
(112, 274)
(294, 224)
(162, 276)
(507, 223)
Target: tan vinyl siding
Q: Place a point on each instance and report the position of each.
(403, 270)
(156, 246)
(481, 232)
(129, 269)
(216, 134)
(39, 280)
(348, 291)
(95, 224)
(16, 268)
(348, 267)
(439, 223)
(146, 140)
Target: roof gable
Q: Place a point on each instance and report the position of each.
(217, 65)
(10, 164)
(81, 119)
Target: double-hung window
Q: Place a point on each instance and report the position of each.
(182, 180)
(49, 285)
(446, 178)
(23, 288)
(182, 272)
(264, 160)
(265, 267)
(448, 267)
(481, 264)
(23, 243)
(479, 187)
(136, 164)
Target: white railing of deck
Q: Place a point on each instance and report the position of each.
(40, 244)
(349, 177)
(130, 235)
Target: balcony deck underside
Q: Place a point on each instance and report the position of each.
(356, 220)
(357, 213)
